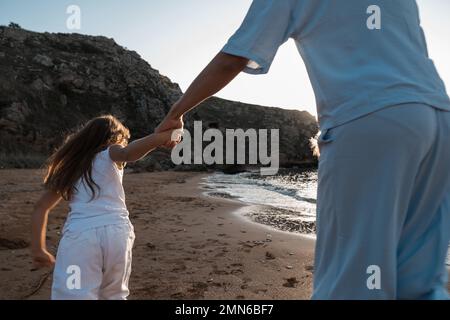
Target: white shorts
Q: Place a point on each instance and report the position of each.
(94, 264)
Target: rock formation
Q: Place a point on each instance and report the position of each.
(51, 83)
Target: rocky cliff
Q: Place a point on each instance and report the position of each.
(50, 83)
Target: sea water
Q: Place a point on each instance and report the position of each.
(291, 194)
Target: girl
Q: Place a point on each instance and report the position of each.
(94, 254)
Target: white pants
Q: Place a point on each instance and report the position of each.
(94, 264)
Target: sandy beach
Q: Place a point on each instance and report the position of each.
(188, 245)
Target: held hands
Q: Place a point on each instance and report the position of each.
(43, 259)
(171, 123)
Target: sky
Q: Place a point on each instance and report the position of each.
(179, 38)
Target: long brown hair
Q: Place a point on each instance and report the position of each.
(73, 160)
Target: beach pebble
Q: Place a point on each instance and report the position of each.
(289, 267)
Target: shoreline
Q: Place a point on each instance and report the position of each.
(284, 210)
(246, 210)
(251, 260)
(245, 213)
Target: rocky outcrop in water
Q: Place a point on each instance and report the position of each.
(50, 83)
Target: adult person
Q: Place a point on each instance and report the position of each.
(383, 204)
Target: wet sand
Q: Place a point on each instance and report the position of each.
(188, 245)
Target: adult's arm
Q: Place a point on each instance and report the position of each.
(216, 75)
(252, 48)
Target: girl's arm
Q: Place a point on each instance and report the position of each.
(41, 257)
(140, 148)
(217, 74)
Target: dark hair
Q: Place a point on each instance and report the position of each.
(73, 160)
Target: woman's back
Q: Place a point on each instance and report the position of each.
(361, 55)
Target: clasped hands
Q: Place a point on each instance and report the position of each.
(171, 122)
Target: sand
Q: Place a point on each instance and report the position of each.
(188, 245)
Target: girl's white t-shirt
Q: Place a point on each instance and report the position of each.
(108, 207)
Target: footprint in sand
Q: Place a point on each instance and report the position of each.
(223, 235)
(290, 282)
(177, 295)
(236, 272)
(198, 290)
(195, 224)
(216, 270)
(257, 291)
(309, 268)
(270, 255)
(220, 272)
(216, 284)
(198, 246)
(13, 244)
(179, 267)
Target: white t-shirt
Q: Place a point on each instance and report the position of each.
(361, 55)
(108, 207)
